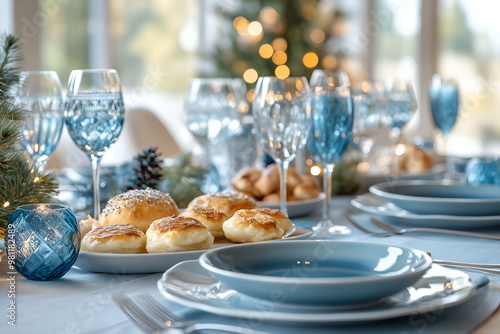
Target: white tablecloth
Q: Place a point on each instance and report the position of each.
(81, 302)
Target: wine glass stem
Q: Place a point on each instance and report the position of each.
(95, 160)
(283, 171)
(327, 188)
(41, 162)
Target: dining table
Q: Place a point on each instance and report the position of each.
(81, 301)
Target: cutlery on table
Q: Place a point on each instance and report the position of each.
(486, 268)
(151, 317)
(394, 230)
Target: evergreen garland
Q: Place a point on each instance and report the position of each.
(20, 182)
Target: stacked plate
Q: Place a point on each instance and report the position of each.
(320, 281)
(433, 203)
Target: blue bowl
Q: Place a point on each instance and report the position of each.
(317, 272)
(441, 198)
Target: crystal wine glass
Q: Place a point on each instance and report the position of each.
(332, 121)
(282, 119)
(94, 114)
(401, 103)
(39, 93)
(212, 116)
(444, 98)
(369, 113)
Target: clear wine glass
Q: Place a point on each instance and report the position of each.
(401, 104)
(444, 98)
(282, 119)
(332, 122)
(94, 114)
(39, 93)
(369, 113)
(212, 115)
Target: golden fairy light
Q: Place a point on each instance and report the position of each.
(279, 44)
(400, 149)
(282, 72)
(317, 36)
(241, 25)
(255, 28)
(266, 51)
(268, 15)
(6, 204)
(329, 62)
(315, 170)
(250, 75)
(250, 94)
(310, 59)
(279, 57)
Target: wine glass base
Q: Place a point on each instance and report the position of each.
(329, 231)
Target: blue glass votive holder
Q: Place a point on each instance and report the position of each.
(45, 240)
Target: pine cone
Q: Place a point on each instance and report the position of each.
(146, 169)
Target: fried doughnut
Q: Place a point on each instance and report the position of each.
(120, 238)
(283, 221)
(139, 207)
(212, 218)
(175, 234)
(251, 226)
(227, 201)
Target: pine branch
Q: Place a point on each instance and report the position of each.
(9, 57)
(20, 183)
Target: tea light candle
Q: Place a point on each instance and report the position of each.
(43, 240)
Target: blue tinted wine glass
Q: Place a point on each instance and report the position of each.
(94, 114)
(39, 94)
(332, 121)
(401, 104)
(282, 119)
(444, 98)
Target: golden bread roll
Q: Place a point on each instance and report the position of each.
(212, 218)
(280, 217)
(415, 160)
(227, 201)
(121, 238)
(305, 191)
(293, 179)
(86, 225)
(269, 180)
(176, 234)
(310, 180)
(251, 226)
(245, 179)
(139, 207)
(271, 198)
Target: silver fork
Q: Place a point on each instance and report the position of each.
(151, 317)
(394, 230)
(485, 268)
(367, 231)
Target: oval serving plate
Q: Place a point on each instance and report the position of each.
(441, 198)
(153, 263)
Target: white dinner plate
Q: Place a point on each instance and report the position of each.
(298, 208)
(441, 198)
(151, 263)
(393, 214)
(188, 284)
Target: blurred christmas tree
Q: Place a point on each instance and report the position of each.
(278, 37)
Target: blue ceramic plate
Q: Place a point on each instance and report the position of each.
(317, 272)
(188, 284)
(440, 198)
